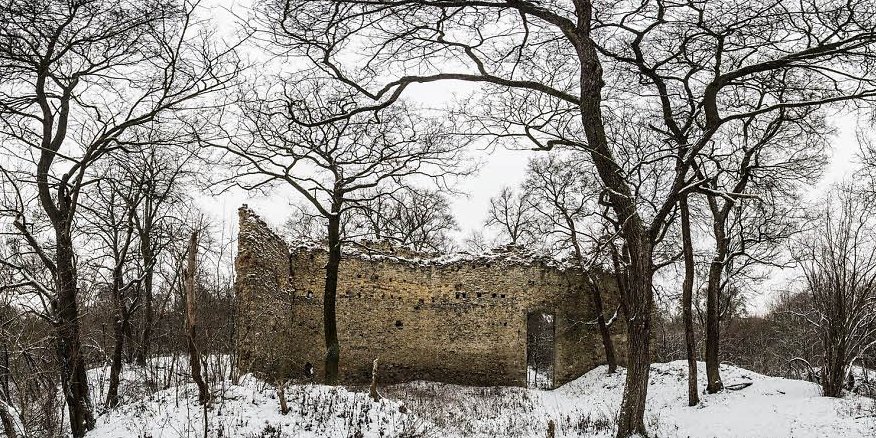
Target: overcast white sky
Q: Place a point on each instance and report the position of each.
(501, 168)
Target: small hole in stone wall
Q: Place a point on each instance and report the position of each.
(502, 296)
(505, 324)
(358, 275)
(494, 295)
(463, 295)
(359, 295)
(390, 296)
(374, 277)
(309, 294)
(479, 294)
(458, 295)
(398, 324)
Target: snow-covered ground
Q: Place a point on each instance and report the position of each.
(770, 407)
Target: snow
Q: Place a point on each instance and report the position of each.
(770, 407)
(503, 255)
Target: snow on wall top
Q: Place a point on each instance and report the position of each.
(386, 251)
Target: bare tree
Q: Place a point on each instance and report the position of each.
(791, 146)
(339, 167)
(108, 208)
(566, 203)
(693, 396)
(839, 263)
(560, 74)
(77, 77)
(419, 219)
(189, 275)
(159, 172)
(512, 213)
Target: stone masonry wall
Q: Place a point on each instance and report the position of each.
(263, 294)
(461, 321)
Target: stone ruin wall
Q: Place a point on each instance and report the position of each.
(261, 287)
(462, 322)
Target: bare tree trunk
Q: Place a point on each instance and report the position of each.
(373, 389)
(834, 366)
(693, 397)
(713, 297)
(5, 373)
(595, 296)
(8, 416)
(112, 397)
(639, 296)
(604, 332)
(74, 381)
(191, 314)
(12, 427)
(128, 332)
(281, 396)
(607, 343)
(149, 265)
(638, 303)
(330, 324)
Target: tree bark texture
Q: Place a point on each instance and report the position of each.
(330, 323)
(693, 397)
(191, 320)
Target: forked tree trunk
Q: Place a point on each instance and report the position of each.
(74, 381)
(693, 396)
(330, 323)
(191, 320)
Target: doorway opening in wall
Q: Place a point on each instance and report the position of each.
(540, 332)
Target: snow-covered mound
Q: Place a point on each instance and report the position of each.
(769, 407)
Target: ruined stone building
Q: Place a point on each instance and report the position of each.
(497, 319)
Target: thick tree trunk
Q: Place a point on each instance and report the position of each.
(74, 381)
(638, 298)
(693, 397)
(191, 320)
(330, 324)
(638, 303)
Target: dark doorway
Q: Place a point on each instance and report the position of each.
(540, 350)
